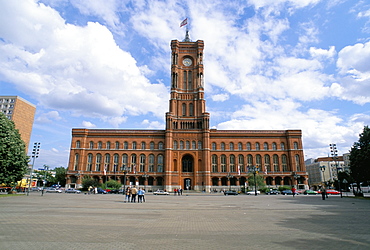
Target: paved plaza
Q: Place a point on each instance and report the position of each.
(193, 221)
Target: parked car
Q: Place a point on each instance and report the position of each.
(72, 190)
(310, 192)
(113, 191)
(252, 192)
(332, 191)
(161, 192)
(273, 191)
(37, 189)
(230, 192)
(53, 190)
(288, 192)
(101, 191)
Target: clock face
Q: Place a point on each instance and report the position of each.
(187, 61)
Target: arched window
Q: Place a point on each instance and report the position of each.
(214, 146)
(191, 109)
(282, 146)
(100, 145)
(284, 162)
(181, 145)
(231, 146)
(241, 164)
(193, 145)
(108, 145)
(160, 145)
(151, 145)
(232, 164)
(107, 162)
(77, 156)
(249, 160)
(275, 160)
(297, 163)
(249, 147)
(125, 162)
(98, 162)
(89, 162)
(267, 163)
(125, 145)
(187, 164)
(214, 164)
(78, 144)
(199, 145)
(91, 145)
(295, 144)
(187, 145)
(117, 145)
(142, 163)
(257, 146)
(240, 146)
(143, 145)
(183, 109)
(223, 163)
(259, 162)
(265, 146)
(115, 163)
(133, 163)
(175, 145)
(160, 164)
(222, 146)
(134, 145)
(274, 147)
(151, 163)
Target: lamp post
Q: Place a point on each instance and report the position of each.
(334, 155)
(229, 176)
(254, 170)
(145, 176)
(296, 177)
(322, 168)
(35, 154)
(46, 168)
(124, 170)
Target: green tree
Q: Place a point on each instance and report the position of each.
(87, 181)
(360, 158)
(13, 156)
(113, 184)
(60, 176)
(260, 182)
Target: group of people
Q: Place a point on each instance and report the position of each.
(177, 191)
(132, 192)
(92, 190)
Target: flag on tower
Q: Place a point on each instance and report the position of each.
(183, 23)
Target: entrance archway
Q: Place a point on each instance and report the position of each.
(187, 164)
(187, 184)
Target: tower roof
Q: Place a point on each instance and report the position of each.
(187, 37)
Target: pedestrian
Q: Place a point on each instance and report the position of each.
(140, 195)
(133, 194)
(143, 195)
(175, 191)
(323, 192)
(127, 194)
(293, 191)
(178, 191)
(181, 191)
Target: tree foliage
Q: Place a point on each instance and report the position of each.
(260, 182)
(87, 181)
(13, 156)
(360, 157)
(60, 176)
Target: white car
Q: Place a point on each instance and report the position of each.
(53, 190)
(252, 192)
(72, 190)
(161, 192)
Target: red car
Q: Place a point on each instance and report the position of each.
(332, 191)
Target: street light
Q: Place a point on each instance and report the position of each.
(35, 154)
(229, 176)
(322, 168)
(145, 176)
(254, 170)
(334, 155)
(124, 170)
(296, 177)
(46, 168)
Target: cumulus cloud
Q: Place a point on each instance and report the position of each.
(87, 124)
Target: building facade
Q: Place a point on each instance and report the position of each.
(21, 112)
(187, 154)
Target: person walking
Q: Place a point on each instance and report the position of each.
(293, 191)
(133, 194)
(127, 194)
(323, 192)
(140, 195)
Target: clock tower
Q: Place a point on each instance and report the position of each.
(187, 122)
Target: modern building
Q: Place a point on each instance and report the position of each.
(324, 170)
(187, 154)
(21, 112)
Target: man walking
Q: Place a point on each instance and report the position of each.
(133, 194)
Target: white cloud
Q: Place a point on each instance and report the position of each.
(48, 117)
(220, 97)
(323, 53)
(87, 124)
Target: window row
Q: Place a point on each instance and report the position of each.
(248, 146)
(125, 145)
(265, 164)
(187, 145)
(130, 164)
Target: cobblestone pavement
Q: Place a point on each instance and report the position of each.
(193, 221)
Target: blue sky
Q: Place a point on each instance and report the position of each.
(281, 64)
